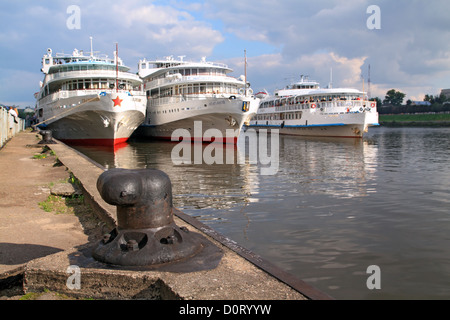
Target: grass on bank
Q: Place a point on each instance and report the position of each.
(46, 152)
(49, 295)
(414, 117)
(61, 205)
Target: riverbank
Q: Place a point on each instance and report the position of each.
(30, 229)
(415, 120)
(240, 274)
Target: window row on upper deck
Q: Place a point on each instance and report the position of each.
(87, 84)
(308, 99)
(186, 72)
(85, 67)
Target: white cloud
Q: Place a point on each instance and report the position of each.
(160, 29)
(273, 71)
(410, 53)
(149, 15)
(412, 46)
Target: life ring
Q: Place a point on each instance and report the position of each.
(372, 104)
(313, 106)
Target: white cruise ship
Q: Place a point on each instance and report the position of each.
(89, 99)
(304, 109)
(183, 94)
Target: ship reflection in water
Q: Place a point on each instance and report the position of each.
(333, 208)
(305, 165)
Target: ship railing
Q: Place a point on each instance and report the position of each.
(326, 105)
(190, 97)
(89, 74)
(170, 100)
(65, 94)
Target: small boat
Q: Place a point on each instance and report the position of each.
(89, 99)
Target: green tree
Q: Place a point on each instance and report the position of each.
(394, 97)
(435, 99)
(429, 98)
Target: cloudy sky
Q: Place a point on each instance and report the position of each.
(283, 39)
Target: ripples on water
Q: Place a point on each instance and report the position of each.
(335, 207)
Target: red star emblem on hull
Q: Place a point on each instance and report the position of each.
(117, 101)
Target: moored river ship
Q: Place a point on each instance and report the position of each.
(183, 94)
(89, 99)
(304, 109)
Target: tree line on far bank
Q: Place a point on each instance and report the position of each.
(393, 104)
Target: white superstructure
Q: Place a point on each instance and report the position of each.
(181, 93)
(89, 99)
(304, 109)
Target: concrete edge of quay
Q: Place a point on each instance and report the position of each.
(238, 274)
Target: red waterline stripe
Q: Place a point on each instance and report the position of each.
(96, 142)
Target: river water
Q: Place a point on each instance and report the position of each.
(334, 207)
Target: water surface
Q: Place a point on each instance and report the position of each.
(335, 207)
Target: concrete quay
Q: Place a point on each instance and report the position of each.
(46, 251)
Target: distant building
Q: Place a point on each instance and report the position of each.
(446, 93)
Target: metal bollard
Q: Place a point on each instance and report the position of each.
(46, 137)
(146, 233)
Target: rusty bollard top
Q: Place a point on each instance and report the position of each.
(143, 197)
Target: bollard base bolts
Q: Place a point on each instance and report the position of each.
(143, 247)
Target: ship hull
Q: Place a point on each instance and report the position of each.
(344, 125)
(214, 119)
(94, 120)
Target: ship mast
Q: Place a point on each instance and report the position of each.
(245, 72)
(330, 85)
(92, 50)
(117, 67)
